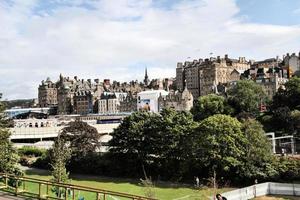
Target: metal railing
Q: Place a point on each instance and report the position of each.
(68, 190)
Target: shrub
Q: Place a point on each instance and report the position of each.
(31, 151)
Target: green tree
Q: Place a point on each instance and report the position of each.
(220, 144)
(82, 138)
(8, 154)
(295, 116)
(246, 96)
(137, 136)
(60, 155)
(258, 152)
(289, 95)
(175, 130)
(160, 140)
(209, 105)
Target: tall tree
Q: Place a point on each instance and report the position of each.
(246, 96)
(81, 137)
(258, 152)
(289, 95)
(60, 154)
(209, 105)
(8, 154)
(137, 136)
(219, 144)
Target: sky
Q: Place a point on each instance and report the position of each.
(118, 39)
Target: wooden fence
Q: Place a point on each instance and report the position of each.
(66, 191)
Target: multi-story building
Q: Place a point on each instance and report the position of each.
(83, 102)
(47, 93)
(180, 101)
(201, 77)
(271, 74)
(128, 104)
(108, 104)
(79, 96)
(292, 62)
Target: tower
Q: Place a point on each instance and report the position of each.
(146, 79)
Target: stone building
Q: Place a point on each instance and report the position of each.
(108, 104)
(292, 62)
(74, 95)
(201, 77)
(47, 94)
(83, 102)
(180, 101)
(128, 104)
(271, 74)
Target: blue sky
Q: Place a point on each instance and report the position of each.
(277, 12)
(118, 39)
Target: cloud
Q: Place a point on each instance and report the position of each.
(118, 39)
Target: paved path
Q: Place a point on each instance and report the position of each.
(8, 196)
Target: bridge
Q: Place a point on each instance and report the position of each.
(19, 133)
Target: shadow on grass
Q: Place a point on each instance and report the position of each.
(104, 179)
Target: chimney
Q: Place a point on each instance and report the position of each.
(75, 77)
(226, 56)
(82, 80)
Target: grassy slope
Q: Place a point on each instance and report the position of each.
(128, 186)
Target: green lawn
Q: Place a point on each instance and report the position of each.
(162, 191)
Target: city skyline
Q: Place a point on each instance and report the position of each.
(100, 39)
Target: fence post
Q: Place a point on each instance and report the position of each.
(40, 191)
(104, 197)
(6, 181)
(24, 187)
(98, 196)
(17, 185)
(66, 193)
(73, 194)
(47, 190)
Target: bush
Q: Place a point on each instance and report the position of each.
(31, 151)
(43, 162)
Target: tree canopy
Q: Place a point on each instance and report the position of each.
(82, 138)
(258, 151)
(246, 96)
(8, 154)
(209, 105)
(220, 143)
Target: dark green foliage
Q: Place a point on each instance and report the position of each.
(31, 151)
(220, 144)
(209, 105)
(258, 152)
(60, 155)
(43, 162)
(8, 154)
(290, 96)
(82, 138)
(246, 96)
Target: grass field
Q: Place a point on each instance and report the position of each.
(162, 191)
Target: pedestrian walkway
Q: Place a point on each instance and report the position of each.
(8, 196)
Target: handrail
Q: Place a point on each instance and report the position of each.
(66, 186)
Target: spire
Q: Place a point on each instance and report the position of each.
(146, 79)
